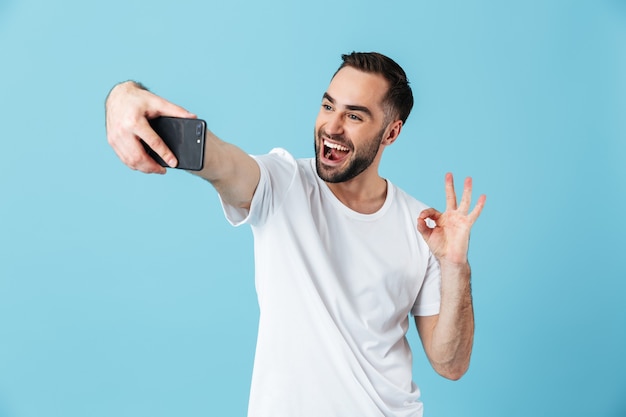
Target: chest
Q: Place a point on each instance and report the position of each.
(376, 265)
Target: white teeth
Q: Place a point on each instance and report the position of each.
(335, 146)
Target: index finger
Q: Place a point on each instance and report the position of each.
(149, 136)
(480, 204)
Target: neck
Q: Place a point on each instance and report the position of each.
(366, 193)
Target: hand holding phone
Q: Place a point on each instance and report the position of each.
(184, 137)
(129, 100)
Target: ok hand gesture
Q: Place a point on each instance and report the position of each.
(449, 238)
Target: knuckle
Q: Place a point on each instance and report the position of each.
(134, 161)
(128, 124)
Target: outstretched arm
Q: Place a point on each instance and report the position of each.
(448, 337)
(129, 106)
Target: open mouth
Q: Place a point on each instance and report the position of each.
(334, 152)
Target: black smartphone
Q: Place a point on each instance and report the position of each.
(184, 137)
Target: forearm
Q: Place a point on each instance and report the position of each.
(232, 172)
(450, 346)
(448, 337)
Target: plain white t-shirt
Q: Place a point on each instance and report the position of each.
(335, 290)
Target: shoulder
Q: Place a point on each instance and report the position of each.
(404, 198)
(277, 163)
(282, 157)
(277, 156)
(280, 170)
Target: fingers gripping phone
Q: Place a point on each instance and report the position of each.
(184, 137)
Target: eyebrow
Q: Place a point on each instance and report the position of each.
(352, 107)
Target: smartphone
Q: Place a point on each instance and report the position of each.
(184, 137)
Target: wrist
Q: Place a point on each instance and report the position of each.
(135, 84)
(120, 87)
(126, 86)
(459, 266)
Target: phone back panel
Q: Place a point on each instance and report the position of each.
(184, 137)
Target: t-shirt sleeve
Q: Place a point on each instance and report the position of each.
(278, 169)
(429, 296)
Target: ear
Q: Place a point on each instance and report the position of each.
(392, 132)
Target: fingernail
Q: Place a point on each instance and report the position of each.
(172, 162)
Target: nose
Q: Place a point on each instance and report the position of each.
(334, 124)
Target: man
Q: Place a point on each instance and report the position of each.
(342, 256)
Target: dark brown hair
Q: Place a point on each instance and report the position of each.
(398, 101)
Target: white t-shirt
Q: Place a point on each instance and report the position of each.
(335, 290)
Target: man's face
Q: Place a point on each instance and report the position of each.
(350, 125)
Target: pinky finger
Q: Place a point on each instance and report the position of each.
(480, 204)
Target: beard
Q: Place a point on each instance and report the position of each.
(359, 161)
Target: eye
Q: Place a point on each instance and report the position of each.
(354, 117)
(326, 107)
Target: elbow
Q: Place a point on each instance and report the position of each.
(453, 372)
(452, 364)
(452, 375)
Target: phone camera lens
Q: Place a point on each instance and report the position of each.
(198, 130)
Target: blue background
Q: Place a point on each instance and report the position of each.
(129, 295)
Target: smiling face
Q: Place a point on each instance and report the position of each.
(351, 125)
